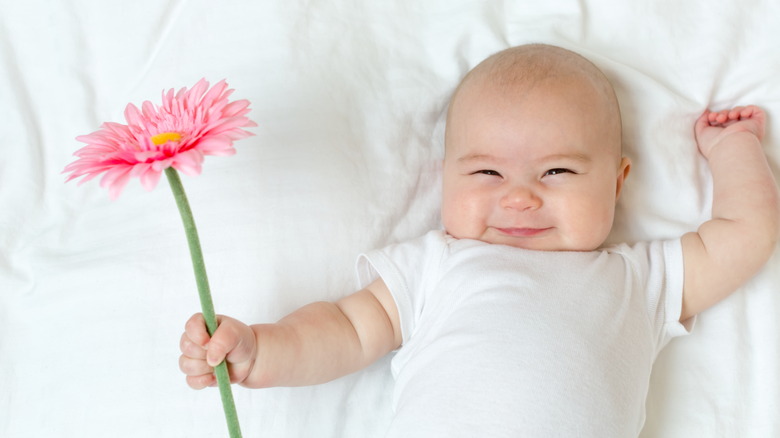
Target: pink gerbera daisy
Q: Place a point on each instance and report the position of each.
(179, 133)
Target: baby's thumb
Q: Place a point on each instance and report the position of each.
(213, 359)
(217, 349)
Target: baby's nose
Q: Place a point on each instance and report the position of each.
(521, 198)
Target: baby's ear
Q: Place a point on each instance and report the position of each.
(623, 171)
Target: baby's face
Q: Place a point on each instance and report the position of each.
(537, 169)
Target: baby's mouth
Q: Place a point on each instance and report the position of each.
(523, 232)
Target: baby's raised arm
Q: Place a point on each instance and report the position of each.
(731, 247)
(317, 343)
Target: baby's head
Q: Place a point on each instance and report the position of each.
(533, 152)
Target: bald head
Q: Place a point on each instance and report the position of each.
(517, 70)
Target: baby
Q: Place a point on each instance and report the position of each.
(513, 320)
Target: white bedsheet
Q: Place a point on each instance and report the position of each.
(349, 97)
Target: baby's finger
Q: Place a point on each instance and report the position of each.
(232, 340)
(735, 112)
(202, 381)
(195, 329)
(747, 112)
(702, 122)
(722, 116)
(717, 117)
(224, 341)
(194, 367)
(191, 349)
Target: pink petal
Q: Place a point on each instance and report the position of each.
(133, 115)
(116, 129)
(115, 180)
(160, 165)
(226, 125)
(216, 145)
(192, 97)
(113, 174)
(237, 108)
(189, 162)
(149, 113)
(116, 188)
(147, 175)
(167, 98)
(216, 95)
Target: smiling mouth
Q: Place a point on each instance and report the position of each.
(523, 232)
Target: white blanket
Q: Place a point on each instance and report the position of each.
(349, 97)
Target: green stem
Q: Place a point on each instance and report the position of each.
(206, 304)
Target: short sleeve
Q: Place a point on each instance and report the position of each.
(674, 296)
(659, 268)
(408, 269)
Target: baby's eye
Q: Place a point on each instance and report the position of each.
(487, 172)
(557, 171)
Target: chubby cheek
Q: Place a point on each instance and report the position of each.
(451, 216)
(593, 226)
(461, 214)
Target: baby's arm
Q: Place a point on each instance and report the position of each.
(317, 343)
(731, 247)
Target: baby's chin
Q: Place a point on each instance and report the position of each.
(542, 243)
(548, 239)
(543, 247)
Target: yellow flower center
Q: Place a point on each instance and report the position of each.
(165, 137)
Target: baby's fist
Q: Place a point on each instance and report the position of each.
(233, 341)
(712, 127)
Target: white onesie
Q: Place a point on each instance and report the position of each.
(505, 342)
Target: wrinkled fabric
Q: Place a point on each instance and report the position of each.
(350, 98)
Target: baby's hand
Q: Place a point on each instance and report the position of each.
(712, 127)
(233, 340)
